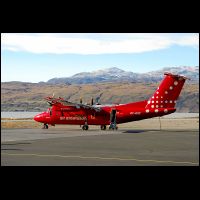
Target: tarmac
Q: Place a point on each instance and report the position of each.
(74, 147)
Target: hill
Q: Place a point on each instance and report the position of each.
(18, 96)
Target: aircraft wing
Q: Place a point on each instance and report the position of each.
(53, 101)
(80, 105)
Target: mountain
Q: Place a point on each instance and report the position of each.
(108, 75)
(113, 85)
(115, 74)
(18, 96)
(188, 71)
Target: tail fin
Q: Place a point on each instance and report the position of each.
(168, 92)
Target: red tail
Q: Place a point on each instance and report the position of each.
(168, 92)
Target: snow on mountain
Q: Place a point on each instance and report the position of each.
(115, 74)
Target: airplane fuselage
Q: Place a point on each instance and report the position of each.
(162, 102)
(78, 116)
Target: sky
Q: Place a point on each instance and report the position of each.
(35, 57)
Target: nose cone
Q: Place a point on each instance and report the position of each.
(39, 118)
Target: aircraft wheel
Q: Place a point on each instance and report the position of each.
(113, 127)
(103, 127)
(85, 127)
(45, 126)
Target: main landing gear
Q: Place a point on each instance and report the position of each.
(103, 127)
(85, 127)
(45, 126)
(113, 123)
(113, 126)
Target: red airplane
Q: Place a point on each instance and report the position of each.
(162, 102)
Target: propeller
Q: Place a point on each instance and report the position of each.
(92, 101)
(51, 99)
(49, 103)
(48, 100)
(98, 98)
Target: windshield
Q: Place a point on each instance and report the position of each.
(49, 111)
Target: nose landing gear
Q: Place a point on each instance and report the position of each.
(45, 126)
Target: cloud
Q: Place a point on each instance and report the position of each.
(102, 43)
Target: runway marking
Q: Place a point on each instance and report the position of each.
(103, 158)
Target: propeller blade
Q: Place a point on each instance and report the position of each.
(92, 101)
(49, 103)
(97, 98)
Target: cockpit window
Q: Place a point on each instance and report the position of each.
(49, 111)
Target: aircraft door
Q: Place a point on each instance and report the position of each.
(113, 116)
(113, 124)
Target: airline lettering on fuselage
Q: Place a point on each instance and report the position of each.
(92, 117)
(135, 113)
(73, 118)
